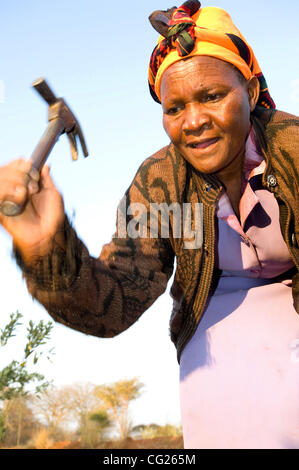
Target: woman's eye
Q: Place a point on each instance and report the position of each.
(213, 97)
(173, 110)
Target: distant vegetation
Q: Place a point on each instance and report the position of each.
(35, 414)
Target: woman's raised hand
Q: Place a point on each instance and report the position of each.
(43, 215)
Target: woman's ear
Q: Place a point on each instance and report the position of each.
(253, 86)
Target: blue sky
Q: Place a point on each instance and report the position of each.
(95, 54)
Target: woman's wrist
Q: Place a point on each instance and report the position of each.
(54, 263)
(44, 248)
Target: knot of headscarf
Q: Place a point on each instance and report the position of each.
(180, 35)
(181, 32)
(211, 32)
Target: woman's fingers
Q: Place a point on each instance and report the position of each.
(18, 181)
(45, 178)
(34, 174)
(20, 164)
(13, 188)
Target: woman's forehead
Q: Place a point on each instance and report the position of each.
(205, 69)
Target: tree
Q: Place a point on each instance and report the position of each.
(81, 401)
(93, 429)
(53, 409)
(84, 408)
(101, 421)
(154, 430)
(17, 376)
(2, 426)
(20, 423)
(116, 399)
(74, 405)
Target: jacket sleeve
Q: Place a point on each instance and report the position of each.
(295, 291)
(101, 296)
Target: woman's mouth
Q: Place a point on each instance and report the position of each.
(203, 144)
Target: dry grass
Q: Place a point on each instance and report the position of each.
(165, 442)
(41, 440)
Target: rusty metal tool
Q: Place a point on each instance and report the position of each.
(61, 120)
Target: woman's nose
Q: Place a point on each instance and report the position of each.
(195, 118)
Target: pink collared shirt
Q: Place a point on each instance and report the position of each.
(263, 252)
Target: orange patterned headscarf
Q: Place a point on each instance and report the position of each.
(190, 31)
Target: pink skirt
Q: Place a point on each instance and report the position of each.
(239, 374)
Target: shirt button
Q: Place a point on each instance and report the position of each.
(293, 240)
(271, 181)
(205, 251)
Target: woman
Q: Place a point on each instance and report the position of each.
(235, 293)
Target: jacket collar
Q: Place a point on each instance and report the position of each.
(260, 119)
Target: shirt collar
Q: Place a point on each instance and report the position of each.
(254, 164)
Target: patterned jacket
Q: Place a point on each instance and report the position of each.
(104, 296)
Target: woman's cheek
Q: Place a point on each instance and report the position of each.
(240, 115)
(166, 125)
(171, 129)
(232, 122)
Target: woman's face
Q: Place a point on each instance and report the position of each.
(206, 111)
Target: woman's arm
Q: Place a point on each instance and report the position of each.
(103, 296)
